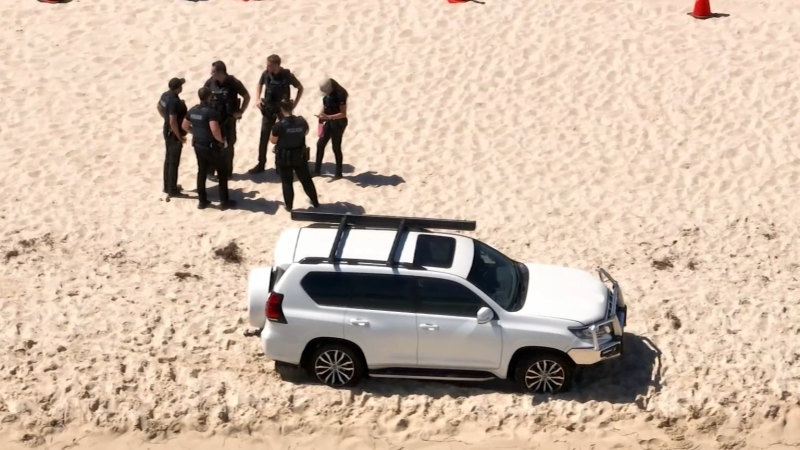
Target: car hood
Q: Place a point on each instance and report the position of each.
(564, 293)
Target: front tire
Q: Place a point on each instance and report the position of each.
(336, 365)
(544, 373)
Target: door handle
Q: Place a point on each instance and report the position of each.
(429, 326)
(359, 322)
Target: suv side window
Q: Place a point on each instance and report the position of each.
(446, 298)
(360, 290)
(327, 288)
(382, 292)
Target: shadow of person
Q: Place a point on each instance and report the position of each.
(246, 201)
(336, 208)
(329, 169)
(374, 179)
(268, 176)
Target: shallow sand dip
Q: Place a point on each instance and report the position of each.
(614, 133)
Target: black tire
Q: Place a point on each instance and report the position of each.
(544, 373)
(336, 365)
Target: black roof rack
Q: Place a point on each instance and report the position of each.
(401, 224)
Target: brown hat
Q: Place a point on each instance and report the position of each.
(175, 83)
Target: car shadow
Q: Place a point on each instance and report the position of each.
(632, 378)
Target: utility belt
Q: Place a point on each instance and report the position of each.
(269, 108)
(292, 156)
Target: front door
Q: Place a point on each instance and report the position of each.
(449, 335)
(380, 319)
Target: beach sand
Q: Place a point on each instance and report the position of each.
(617, 133)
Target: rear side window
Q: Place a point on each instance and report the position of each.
(447, 298)
(382, 292)
(434, 251)
(327, 288)
(360, 291)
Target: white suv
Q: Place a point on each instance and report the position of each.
(351, 296)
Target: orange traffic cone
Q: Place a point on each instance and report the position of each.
(702, 10)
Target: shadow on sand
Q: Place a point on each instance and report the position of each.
(619, 380)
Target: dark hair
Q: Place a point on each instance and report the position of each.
(336, 87)
(219, 66)
(287, 105)
(204, 93)
(275, 59)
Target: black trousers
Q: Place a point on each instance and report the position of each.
(228, 128)
(267, 122)
(172, 159)
(208, 159)
(286, 172)
(333, 130)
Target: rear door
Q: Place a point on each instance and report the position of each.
(449, 333)
(380, 318)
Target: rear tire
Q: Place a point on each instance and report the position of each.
(544, 373)
(336, 365)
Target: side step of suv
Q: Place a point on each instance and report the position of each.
(432, 374)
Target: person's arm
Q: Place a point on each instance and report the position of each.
(299, 86)
(215, 131)
(273, 139)
(173, 125)
(276, 130)
(245, 100)
(342, 114)
(172, 112)
(187, 126)
(160, 110)
(258, 91)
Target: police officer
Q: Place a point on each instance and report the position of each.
(276, 80)
(226, 90)
(333, 118)
(289, 137)
(173, 110)
(203, 122)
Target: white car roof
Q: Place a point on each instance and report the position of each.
(295, 244)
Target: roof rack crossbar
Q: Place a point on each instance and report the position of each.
(338, 238)
(401, 228)
(390, 222)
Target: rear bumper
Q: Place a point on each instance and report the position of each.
(587, 356)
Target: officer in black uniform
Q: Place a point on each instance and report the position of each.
(203, 122)
(333, 118)
(226, 90)
(277, 81)
(289, 137)
(172, 109)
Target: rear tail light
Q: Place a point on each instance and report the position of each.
(274, 308)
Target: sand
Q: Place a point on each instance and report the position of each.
(614, 133)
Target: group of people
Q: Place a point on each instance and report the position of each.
(212, 123)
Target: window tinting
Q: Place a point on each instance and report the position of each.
(327, 288)
(382, 292)
(360, 291)
(434, 251)
(447, 298)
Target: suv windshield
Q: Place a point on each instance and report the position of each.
(495, 274)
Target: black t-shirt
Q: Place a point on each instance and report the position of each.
(277, 86)
(291, 132)
(333, 103)
(200, 116)
(172, 105)
(225, 95)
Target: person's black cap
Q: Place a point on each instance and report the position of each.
(175, 83)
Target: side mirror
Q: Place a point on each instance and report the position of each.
(485, 315)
